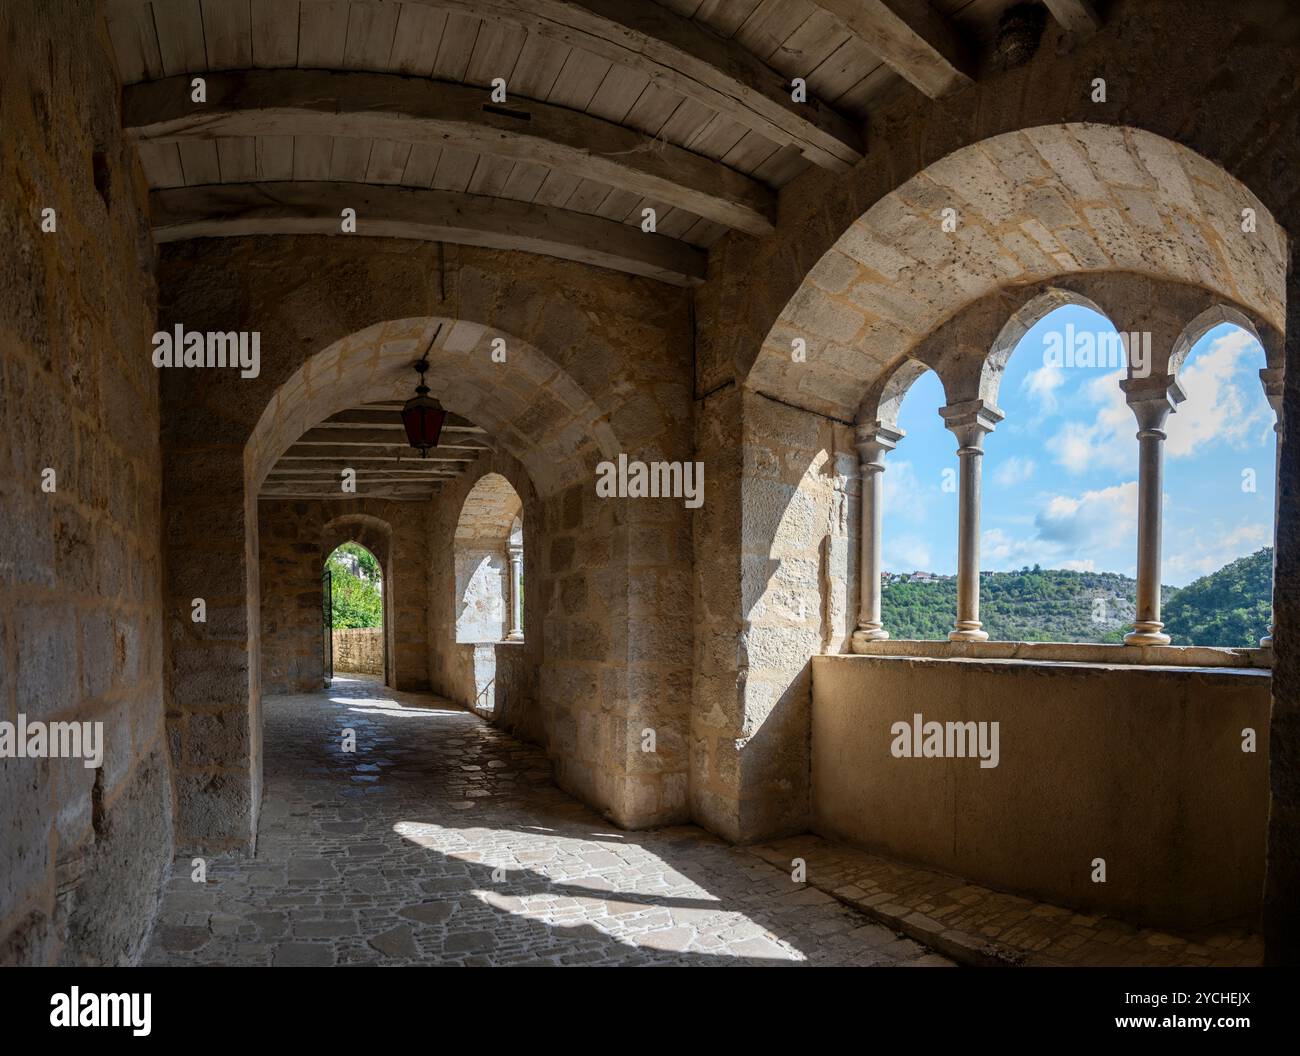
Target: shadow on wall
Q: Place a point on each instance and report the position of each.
(798, 592)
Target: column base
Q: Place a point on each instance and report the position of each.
(514, 636)
(870, 632)
(969, 631)
(1266, 642)
(1146, 633)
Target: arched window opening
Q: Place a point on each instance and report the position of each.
(919, 520)
(1059, 503)
(355, 608)
(489, 564)
(515, 550)
(1220, 476)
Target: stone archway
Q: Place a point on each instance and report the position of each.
(1085, 212)
(376, 535)
(535, 410)
(487, 564)
(558, 412)
(1026, 207)
(482, 543)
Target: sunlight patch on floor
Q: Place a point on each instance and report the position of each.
(634, 897)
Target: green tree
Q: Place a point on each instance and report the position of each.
(356, 583)
(1230, 607)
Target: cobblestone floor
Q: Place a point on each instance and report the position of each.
(980, 926)
(443, 841)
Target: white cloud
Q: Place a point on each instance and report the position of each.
(1097, 529)
(1002, 550)
(1109, 440)
(903, 494)
(1013, 470)
(1042, 384)
(1101, 516)
(1218, 408)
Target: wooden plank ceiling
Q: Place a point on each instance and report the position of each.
(612, 107)
(369, 439)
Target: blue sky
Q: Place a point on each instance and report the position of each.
(1060, 471)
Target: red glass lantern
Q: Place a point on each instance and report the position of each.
(423, 416)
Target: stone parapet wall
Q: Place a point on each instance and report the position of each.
(1142, 767)
(359, 649)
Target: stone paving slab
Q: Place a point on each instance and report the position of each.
(976, 925)
(444, 841)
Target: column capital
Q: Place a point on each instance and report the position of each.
(1272, 379)
(1152, 399)
(873, 440)
(970, 421)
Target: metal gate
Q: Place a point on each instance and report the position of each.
(327, 622)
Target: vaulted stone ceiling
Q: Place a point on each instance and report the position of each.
(612, 107)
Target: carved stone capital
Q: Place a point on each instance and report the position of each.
(1272, 379)
(1152, 399)
(970, 421)
(873, 439)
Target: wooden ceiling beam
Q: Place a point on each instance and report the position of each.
(386, 416)
(306, 207)
(686, 57)
(374, 437)
(357, 105)
(912, 39)
(1075, 16)
(367, 454)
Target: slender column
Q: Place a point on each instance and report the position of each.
(516, 598)
(969, 421)
(1272, 379)
(1152, 401)
(873, 441)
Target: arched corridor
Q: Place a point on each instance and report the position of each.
(445, 841)
(657, 482)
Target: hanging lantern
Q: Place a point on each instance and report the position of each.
(423, 416)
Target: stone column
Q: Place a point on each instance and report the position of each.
(873, 441)
(1272, 380)
(516, 599)
(970, 421)
(1152, 400)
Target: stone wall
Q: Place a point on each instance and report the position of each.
(606, 650)
(482, 594)
(359, 650)
(776, 584)
(83, 851)
(293, 633)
